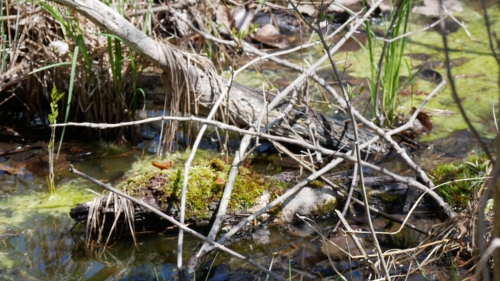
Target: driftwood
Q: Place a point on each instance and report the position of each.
(199, 77)
(381, 189)
(246, 105)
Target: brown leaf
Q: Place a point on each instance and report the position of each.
(423, 123)
(269, 35)
(162, 166)
(219, 181)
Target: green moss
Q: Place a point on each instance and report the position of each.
(316, 184)
(325, 208)
(387, 197)
(202, 188)
(456, 191)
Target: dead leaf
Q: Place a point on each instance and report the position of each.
(423, 123)
(224, 19)
(219, 181)
(162, 166)
(271, 36)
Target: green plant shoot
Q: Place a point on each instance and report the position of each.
(52, 117)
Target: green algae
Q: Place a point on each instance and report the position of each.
(16, 209)
(22, 216)
(476, 79)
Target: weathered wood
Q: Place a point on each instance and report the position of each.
(246, 105)
(199, 77)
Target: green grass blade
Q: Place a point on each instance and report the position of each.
(50, 66)
(70, 90)
(57, 15)
(118, 65)
(211, 265)
(85, 55)
(421, 270)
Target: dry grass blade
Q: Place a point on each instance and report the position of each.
(102, 207)
(119, 209)
(92, 220)
(130, 218)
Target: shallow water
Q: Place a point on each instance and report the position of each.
(36, 237)
(37, 241)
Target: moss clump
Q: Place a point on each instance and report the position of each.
(165, 187)
(316, 184)
(456, 191)
(326, 208)
(388, 198)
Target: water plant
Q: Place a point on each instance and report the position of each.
(385, 74)
(239, 35)
(52, 118)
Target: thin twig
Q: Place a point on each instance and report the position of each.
(357, 201)
(299, 142)
(187, 166)
(356, 145)
(409, 33)
(454, 92)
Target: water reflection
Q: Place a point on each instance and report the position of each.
(46, 249)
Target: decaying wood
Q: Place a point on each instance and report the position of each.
(245, 104)
(147, 221)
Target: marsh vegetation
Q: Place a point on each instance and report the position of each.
(351, 94)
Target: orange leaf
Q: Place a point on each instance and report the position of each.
(162, 166)
(219, 181)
